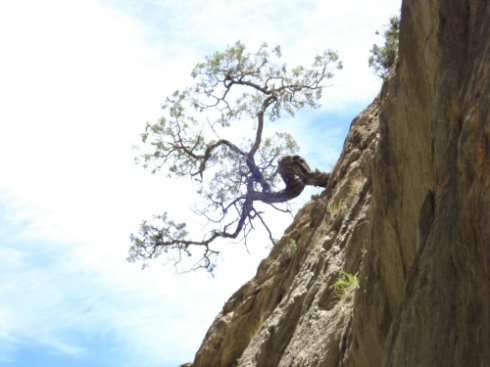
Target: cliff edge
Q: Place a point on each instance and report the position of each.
(407, 211)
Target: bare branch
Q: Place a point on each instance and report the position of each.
(267, 228)
(209, 150)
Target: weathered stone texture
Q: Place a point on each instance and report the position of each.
(444, 315)
(413, 183)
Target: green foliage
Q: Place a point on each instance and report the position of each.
(291, 249)
(259, 69)
(231, 88)
(286, 255)
(383, 58)
(344, 284)
(274, 264)
(334, 208)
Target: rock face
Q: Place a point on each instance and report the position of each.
(407, 210)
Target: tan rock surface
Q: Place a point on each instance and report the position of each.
(413, 183)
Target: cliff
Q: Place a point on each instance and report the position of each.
(406, 210)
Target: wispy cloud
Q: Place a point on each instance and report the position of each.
(55, 295)
(192, 29)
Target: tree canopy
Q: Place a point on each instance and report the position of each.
(383, 57)
(194, 138)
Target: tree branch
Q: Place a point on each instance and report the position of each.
(260, 89)
(207, 154)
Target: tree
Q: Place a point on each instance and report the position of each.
(231, 87)
(383, 58)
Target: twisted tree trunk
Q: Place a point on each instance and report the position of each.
(296, 174)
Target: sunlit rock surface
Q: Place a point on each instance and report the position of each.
(406, 210)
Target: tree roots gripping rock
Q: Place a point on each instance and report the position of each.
(296, 174)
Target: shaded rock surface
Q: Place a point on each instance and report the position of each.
(406, 210)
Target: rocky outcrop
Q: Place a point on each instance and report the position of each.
(266, 320)
(406, 210)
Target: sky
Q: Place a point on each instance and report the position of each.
(78, 82)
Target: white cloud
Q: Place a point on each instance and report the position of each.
(79, 79)
(62, 294)
(304, 29)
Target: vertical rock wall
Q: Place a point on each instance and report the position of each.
(406, 210)
(443, 99)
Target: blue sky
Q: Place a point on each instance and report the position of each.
(79, 79)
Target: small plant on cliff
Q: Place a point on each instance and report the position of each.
(344, 284)
(334, 208)
(291, 249)
(232, 172)
(286, 256)
(383, 58)
(274, 265)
